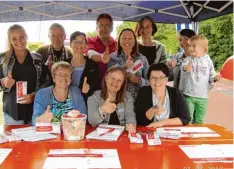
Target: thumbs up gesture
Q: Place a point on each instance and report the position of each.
(46, 117)
(189, 67)
(106, 56)
(108, 106)
(85, 88)
(8, 81)
(129, 62)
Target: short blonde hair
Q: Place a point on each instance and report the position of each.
(61, 64)
(202, 39)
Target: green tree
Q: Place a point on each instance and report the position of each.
(92, 34)
(167, 35)
(124, 25)
(219, 32)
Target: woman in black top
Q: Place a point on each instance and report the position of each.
(160, 105)
(154, 51)
(18, 64)
(85, 71)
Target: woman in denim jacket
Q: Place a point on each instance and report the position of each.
(19, 64)
(128, 57)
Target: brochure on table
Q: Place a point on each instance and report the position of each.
(106, 132)
(190, 131)
(210, 152)
(4, 152)
(82, 158)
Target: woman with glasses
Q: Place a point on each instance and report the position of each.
(128, 57)
(20, 66)
(52, 102)
(85, 71)
(154, 51)
(160, 105)
(112, 104)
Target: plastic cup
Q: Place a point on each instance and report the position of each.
(73, 127)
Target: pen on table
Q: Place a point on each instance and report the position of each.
(109, 131)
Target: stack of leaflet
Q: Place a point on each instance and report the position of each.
(167, 133)
(106, 132)
(29, 134)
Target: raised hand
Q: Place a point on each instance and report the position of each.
(46, 117)
(189, 67)
(108, 106)
(106, 56)
(129, 62)
(85, 88)
(8, 81)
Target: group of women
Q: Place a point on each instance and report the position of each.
(124, 97)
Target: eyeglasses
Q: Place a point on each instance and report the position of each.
(160, 79)
(63, 75)
(77, 42)
(100, 26)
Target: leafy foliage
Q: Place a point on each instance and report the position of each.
(219, 32)
(92, 34)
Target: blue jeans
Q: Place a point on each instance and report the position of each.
(10, 121)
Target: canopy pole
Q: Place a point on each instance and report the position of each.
(195, 27)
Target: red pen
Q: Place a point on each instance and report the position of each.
(109, 131)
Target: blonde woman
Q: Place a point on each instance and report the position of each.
(52, 102)
(19, 64)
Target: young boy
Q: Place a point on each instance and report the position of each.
(183, 36)
(197, 75)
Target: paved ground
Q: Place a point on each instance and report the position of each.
(220, 106)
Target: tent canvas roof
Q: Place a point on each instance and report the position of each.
(175, 11)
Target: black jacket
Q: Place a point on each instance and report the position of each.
(92, 74)
(178, 105)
